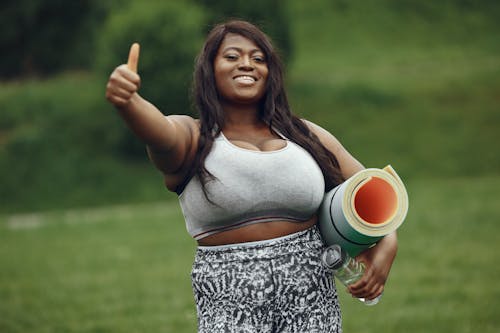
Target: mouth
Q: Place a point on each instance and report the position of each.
(245, 79)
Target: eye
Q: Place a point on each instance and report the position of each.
(231, 57)
(259, 58)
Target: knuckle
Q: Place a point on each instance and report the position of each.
(113, 79)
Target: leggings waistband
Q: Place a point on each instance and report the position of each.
(266, 249)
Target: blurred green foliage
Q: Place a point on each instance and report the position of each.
(60, 146)
(398, 85)
(275, 23)
(410, 83)
(170, 34)
(44, 37)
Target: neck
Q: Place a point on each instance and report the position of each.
(241, 115)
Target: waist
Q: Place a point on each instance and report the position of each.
(308, 239)
(257, 232)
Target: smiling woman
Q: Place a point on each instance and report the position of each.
(240, 71)
(250, 176)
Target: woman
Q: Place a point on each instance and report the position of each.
(250, 177)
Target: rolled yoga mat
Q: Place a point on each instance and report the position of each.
(359, 212)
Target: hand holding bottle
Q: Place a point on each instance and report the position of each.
(347, 269)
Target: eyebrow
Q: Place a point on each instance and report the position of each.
(240, 50)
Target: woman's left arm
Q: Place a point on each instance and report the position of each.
(377, 259)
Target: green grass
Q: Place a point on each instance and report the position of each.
(126, 268)
(112, 269)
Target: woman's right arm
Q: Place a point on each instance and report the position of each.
(171, 140)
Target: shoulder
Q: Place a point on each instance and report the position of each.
(348, 164)
(324, 136)
(176, 161)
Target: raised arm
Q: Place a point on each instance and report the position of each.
(171, 140)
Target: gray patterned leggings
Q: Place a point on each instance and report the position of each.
(271, 286)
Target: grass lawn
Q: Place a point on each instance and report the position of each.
(126, 268)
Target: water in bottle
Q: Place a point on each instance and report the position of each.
(347, 269)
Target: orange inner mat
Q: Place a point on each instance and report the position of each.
(376, 201)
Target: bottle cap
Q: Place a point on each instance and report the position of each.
(333, 257)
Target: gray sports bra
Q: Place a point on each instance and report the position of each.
(252, 187)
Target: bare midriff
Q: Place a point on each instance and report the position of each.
(257, 232)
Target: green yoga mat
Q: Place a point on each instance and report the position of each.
(363, 209)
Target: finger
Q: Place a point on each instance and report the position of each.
(122, 93)
(360, 292)
(364, 293)
(119, 82)
(361, 283)
(120, 89)
(357, 287)
(377, 292)
(133, 57)
(126, 83)
(124, 72)
(117, 101)
(371, 291)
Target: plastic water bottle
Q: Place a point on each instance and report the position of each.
(347, 269)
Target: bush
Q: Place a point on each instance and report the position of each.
(60, 146)
(49, 130)
(170, 34)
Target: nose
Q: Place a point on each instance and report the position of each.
(246, 64)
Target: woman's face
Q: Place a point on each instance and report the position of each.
(241, 71)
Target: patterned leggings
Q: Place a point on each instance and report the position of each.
(270, 286)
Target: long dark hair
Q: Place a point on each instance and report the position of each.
(274, 109)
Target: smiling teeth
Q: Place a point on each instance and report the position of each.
(245, 79)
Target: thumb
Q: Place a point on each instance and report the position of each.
(133, 57)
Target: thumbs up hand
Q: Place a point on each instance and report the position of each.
(124, 82)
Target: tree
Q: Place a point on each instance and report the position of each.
(44, 37)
